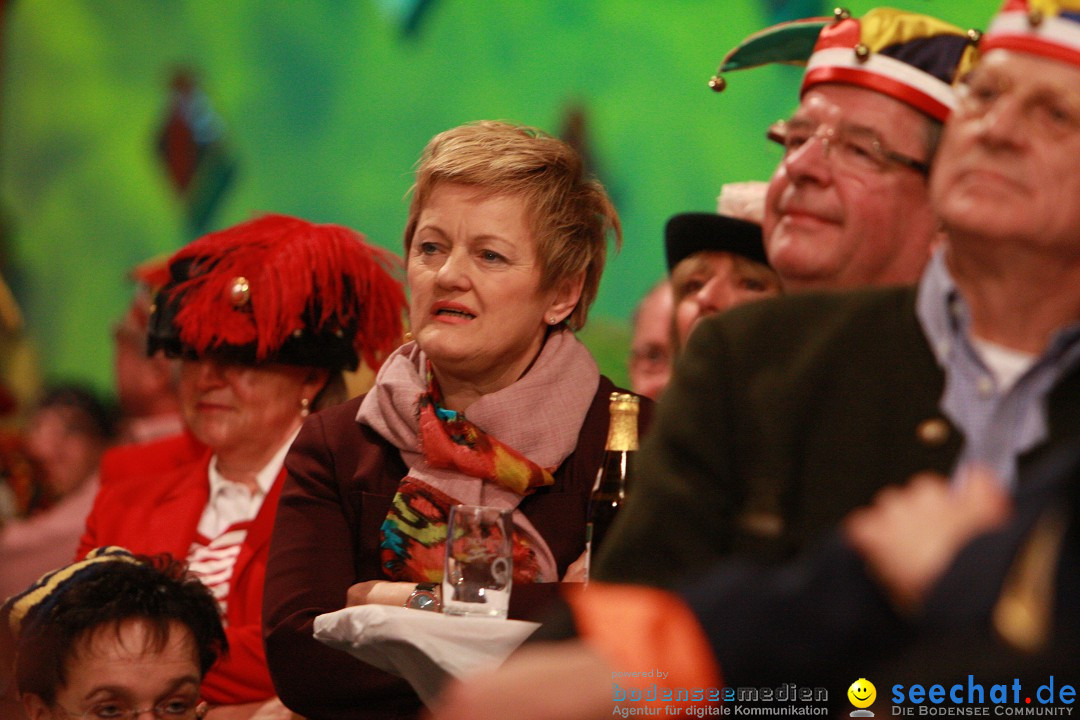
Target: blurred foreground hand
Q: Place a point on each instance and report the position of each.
(910, 535)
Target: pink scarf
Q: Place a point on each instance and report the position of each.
(539, 417)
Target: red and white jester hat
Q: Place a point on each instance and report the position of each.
(908, 56)
(1050, 28)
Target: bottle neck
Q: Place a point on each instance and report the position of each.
(622, 432)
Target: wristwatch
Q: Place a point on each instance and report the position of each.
(425, 597)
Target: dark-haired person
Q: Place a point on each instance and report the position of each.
(64, 439)
(113, 636)
(264, 316)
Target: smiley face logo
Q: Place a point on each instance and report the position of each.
(862, 693)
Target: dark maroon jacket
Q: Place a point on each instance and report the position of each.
(342, 477)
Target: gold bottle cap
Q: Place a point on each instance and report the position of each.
(623, 432)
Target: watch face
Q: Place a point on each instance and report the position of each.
(424, 600)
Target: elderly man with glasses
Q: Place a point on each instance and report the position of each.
(848, 203)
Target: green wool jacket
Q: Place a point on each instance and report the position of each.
(782, 417)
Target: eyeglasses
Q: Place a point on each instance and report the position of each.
(169, 710)
(652, 359)
(853, 149)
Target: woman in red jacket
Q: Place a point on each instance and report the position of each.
(264, 316)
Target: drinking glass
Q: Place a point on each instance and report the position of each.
(479, 561)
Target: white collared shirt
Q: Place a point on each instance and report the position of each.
(232, 502)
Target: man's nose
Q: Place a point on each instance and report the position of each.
(810, 161)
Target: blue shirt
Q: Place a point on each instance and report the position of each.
(999, 424)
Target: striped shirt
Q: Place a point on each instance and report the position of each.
(224, 525)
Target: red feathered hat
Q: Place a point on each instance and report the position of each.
(283, 290)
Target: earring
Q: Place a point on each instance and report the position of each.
(304, 407)
(552, 320)
(408, 337)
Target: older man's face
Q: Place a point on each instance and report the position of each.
(650, 347)
(1008, 164)
(828, 225)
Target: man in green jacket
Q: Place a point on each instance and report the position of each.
(787, 414)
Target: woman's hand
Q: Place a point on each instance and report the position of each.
(578, 571)
(379, 592)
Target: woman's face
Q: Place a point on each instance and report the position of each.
(476, 307)
(711, 281)
(115, 669)
(242, 409)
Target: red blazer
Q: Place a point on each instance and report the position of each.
(150, 458)
(158, 512)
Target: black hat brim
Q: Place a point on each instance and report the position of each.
(688, 233)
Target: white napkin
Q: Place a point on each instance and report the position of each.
(422, 647)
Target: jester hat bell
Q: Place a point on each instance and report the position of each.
(278, 289)
(1050, 28)
(911, 57)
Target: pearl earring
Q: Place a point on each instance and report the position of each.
(304, 407)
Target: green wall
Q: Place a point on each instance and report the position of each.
(327, 105)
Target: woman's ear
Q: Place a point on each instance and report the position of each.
(566, 297)
(315, 382)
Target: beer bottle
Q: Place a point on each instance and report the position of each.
(612, 480)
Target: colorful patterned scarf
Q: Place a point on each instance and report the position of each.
(507, 447)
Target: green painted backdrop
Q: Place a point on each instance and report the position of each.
(327, 105)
